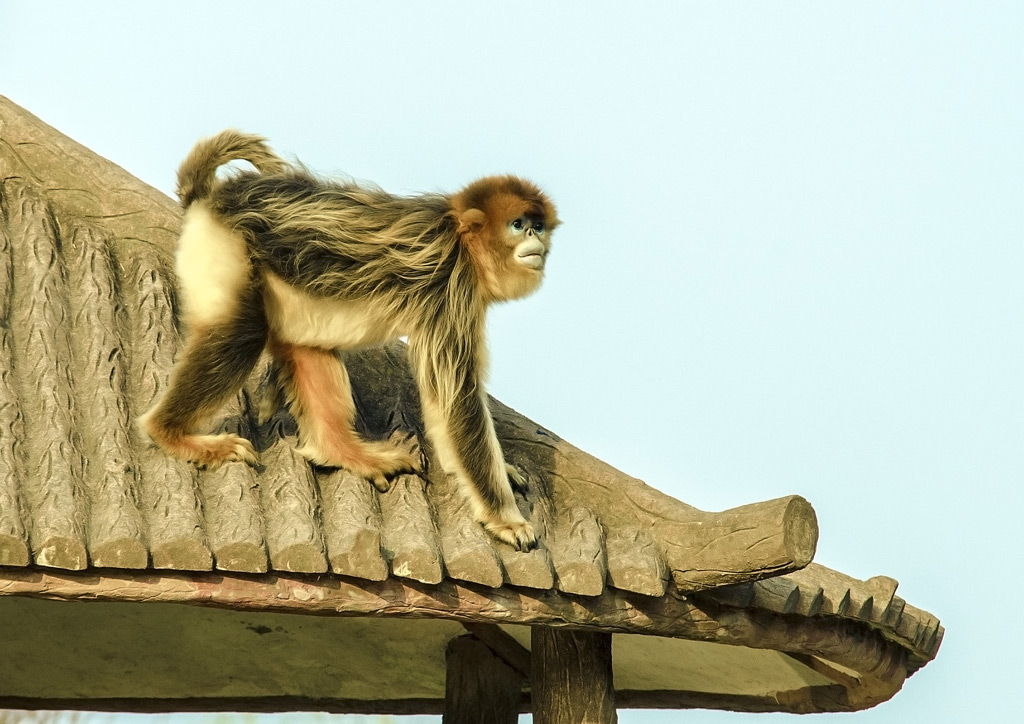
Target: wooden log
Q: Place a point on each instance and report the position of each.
(887, 607)
(288, 492)
(42, 358)
(781, 595)
(571, 681)
(576, 542)
(235, 518)
(351, 525)
(167, 489)
(116, 529)
(701, 550)
(480, 688)
(635, 561)
(289, 501)
(409, 536)
(234, 522)
(469, 554)
(570, 551)
(752, 541)
(13, 535)
(530, 569)
(533, 568)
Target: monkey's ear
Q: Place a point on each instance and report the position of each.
(471, 220)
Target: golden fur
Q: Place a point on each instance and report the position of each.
(282, 260)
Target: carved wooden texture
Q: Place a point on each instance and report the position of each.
(87, 289)
(820, 591)
(868, 662)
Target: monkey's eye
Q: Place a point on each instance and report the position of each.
(538, 226)
(517, 224)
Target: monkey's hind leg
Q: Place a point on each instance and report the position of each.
(216, 361)
(319, 393)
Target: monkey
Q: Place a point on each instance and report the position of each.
(276, 259)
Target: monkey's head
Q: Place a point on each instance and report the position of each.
(505, 224)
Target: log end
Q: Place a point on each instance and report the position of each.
(13, 551)
(800, 531)
(123, 553)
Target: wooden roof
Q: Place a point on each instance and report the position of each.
(89, 334)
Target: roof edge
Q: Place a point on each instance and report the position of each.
(878, 664)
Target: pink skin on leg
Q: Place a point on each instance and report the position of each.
(318, 388)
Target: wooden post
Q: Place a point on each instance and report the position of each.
(572, 677)
(480, 688)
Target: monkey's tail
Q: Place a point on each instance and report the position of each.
(198, 171)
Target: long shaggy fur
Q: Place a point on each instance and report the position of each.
(401, 255)
(343, 259)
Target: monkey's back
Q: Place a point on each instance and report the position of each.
(339, 239)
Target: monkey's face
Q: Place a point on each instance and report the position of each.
(529, 240)
(519, 251)
(506, 225)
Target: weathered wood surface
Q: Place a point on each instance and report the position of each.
(572, 681)
(78, 184)
(115, 525)
(875, 657)
(40, 357)
(578, 552)
(352, 526)
(480, 688)
(820, 591)
(14, 550)
(467, 549)
(168, 499)
(87, 286)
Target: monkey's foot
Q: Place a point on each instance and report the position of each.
(516, 478)
(376, 461)
(518, 534)
(209, 452)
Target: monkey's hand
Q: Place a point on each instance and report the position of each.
(517, 533)
(516, 478)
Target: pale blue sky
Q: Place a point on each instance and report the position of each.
(791, 260)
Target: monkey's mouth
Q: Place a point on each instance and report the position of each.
(531, 261)
(530, 253)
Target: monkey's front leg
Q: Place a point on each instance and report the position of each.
(319, 394)
(466, 446)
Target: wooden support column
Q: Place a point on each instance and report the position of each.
(572, 677)
(480, 688)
